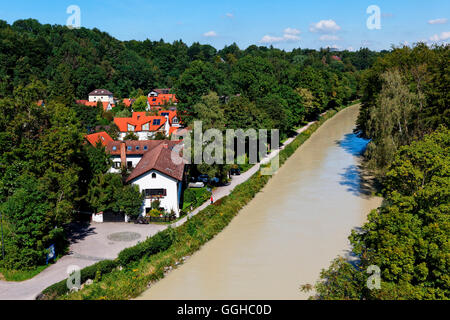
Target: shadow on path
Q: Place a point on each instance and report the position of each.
(78, 231)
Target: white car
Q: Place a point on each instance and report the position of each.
(198, 184)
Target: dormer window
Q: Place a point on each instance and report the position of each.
(156, 122)
(130, 128)
(175, 120)
(146, 127)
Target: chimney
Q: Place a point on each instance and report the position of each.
(123, 154)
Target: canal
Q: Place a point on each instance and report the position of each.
(291, 230)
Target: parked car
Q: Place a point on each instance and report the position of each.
(214, 181)
(198, 184)
(203, 178)
(235, 172)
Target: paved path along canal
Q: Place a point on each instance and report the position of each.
(291, 230)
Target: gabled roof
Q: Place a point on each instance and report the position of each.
(128, 102)
(100, 92)
(101, 137)
(170, 113)
(138, 147)
(160, 159)
(162, 90)
(162, 99)
(139, 119)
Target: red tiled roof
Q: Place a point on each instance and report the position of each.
(139, 119)
(137, 147)
(101, 137)
(170, 113)
(128, 102)
(160, 159)
(94, 104)
(162, 99)
(172, 130)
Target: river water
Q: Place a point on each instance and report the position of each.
(291, 230)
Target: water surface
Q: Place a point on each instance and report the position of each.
(291, 230)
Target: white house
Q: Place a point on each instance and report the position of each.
(152, 169)
(159, 178)
(102, 95)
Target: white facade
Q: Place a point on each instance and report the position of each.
(154, 179)
(132, 160)
(102, 98)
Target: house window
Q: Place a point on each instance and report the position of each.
(175, 120)
(164, 114)
(116, 165)
(156, 122)
(114, 148)
(153, 175)
(137, 147)
(145, 148)
(146, 126)
(129, 148)
(130, 128)
(129, 164)
(155, 193)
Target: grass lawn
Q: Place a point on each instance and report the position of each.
(20, 275)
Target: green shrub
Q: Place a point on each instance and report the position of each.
(159, 242)
(60, 288)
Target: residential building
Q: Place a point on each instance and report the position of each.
(102, 95)
(143, 125)
(152, 169)
(107, 106)
(101, 137)
(159, 178)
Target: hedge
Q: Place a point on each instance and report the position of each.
(159, 242)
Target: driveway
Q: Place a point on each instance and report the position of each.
(89, 244)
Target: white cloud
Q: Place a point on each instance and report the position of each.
(210, 34)
(438, 21)
(271, 39)
(325, 26)
(229, 15)
(290, 35)
(334, 46)
(291, 31)
(329, 37)
(443, 36)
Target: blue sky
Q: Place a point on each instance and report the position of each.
(285, 24)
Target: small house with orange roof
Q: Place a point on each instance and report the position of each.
(107, 106)
(143, 125)
(99, 137)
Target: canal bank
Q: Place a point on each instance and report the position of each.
(292, 229)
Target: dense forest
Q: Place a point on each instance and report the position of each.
(405, 113)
